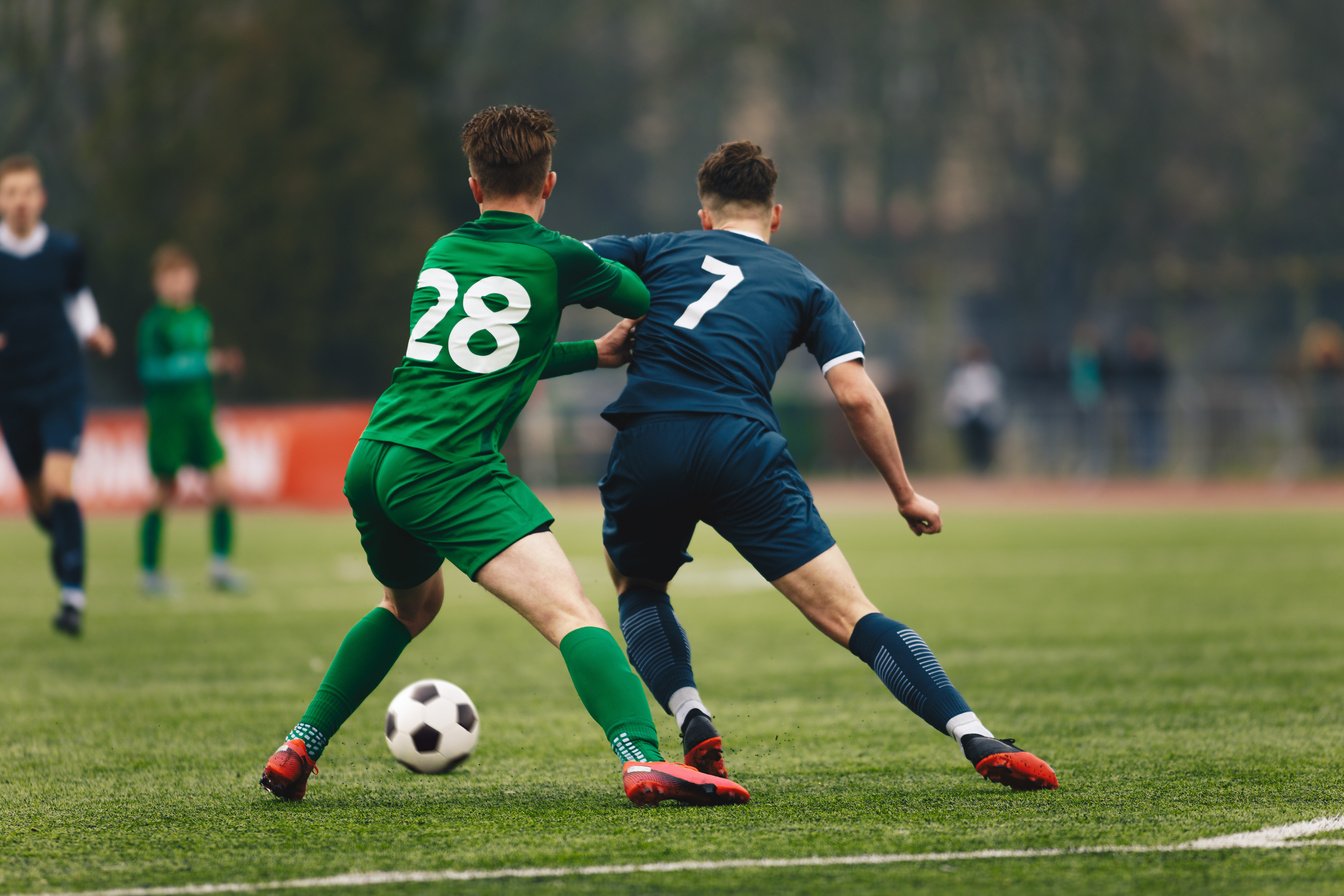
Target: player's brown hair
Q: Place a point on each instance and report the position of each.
(170, 255)
(508, 149)
(19, 162)
(737, 172)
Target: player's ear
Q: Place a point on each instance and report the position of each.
(706, 222)
(549, 185)
(476, 192)
(774, 217)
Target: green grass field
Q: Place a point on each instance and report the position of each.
(1183, 671)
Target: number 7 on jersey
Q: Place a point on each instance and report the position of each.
(729, 276)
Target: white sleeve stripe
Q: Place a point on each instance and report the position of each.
(82, 312)
(840, 360)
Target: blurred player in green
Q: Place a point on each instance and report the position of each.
(178, 366)
(427, 481)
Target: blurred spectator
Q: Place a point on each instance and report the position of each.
(1141, 378)
(974, 406)
(1087, 390)
(1323, 365)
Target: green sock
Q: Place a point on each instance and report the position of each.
(221, 530)
(151, 536)
(364, 658)
(611, 693)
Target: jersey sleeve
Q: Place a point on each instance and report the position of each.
(628, 250)
(592, 281)
(76, 271)
(82, 312)
(570, 357)
(80, 307)
(832, 336)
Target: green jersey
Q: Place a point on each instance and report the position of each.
(173, 346)
(484, 316)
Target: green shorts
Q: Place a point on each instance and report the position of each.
(183, 438)
(414, 510)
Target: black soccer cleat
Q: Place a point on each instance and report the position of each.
(1003, 763)
(702, 745)
(70, 621)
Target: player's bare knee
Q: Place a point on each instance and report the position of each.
(57, 489)
(653, 585)
(415, 607)
(218, 486)
(559, 619)
(164, 490)
(624, 583)
(57, 477)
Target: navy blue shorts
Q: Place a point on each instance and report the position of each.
(35, 429)
(668, 472)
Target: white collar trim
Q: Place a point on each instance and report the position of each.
(29, 245)
(755, 236)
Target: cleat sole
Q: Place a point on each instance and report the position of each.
(280, 788)
(1019, 771)
(653, 787)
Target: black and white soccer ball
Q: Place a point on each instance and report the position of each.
(432, 726)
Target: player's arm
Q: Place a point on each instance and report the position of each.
(82, 312)
(612, 349)
(615, 287)
(630, 297)
(866, 412)
(604, 275)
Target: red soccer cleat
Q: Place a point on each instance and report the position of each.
(649, 783)
(707, 757)
(703, 747)
(1001, 762)
(286, 773)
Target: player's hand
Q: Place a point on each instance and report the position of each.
(3, 340)
(102, 341)
(615, 346)
(921, 515)
(225, 360)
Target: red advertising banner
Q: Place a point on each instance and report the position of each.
(293, 455)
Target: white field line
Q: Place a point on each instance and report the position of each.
(1289, 836)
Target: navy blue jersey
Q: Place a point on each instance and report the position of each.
(726, 310)
(41, 357)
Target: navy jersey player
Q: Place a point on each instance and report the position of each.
(698, 440)
(46, 314)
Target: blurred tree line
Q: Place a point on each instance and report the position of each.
(954, 168)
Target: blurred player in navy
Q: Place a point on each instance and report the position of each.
(698, 441)
(46, 313)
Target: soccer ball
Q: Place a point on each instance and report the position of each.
(432, 726)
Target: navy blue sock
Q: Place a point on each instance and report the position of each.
(908, 668)
(656, 643)
(67, 543)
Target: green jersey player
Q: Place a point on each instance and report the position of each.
(427, 481)
(177, 369)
